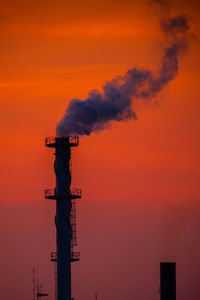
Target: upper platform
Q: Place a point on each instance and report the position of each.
(70, 141)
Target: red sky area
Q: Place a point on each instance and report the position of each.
(140, 179)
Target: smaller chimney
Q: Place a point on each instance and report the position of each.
(168, 281)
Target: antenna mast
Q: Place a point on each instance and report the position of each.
(33, 283)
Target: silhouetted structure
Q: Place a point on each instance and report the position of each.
(37, 289)
(65, 214)
(33, 283)
(168, 281)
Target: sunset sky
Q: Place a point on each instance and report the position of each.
(140, 179)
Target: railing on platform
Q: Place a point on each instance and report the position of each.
(71, 140)
(74, 256)
(51, 194)
(53, 256)
(76, 192)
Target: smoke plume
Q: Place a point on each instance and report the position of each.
(114, 103)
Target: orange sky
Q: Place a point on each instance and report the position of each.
(145, 173)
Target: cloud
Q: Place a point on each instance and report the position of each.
(115, 102)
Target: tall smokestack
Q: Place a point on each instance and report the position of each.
(63, 196)
(168, 281)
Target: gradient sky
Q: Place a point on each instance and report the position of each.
(140, 179)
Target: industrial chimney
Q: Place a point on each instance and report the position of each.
(168, 281)
(65, 213)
